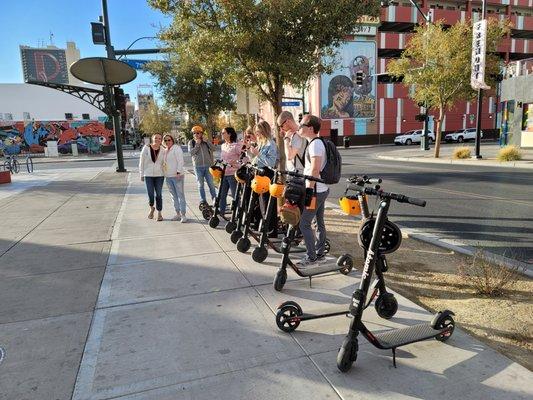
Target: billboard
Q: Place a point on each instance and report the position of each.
(340, 96)
(45, 65)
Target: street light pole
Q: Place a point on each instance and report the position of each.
(109, 89)
(480, 98)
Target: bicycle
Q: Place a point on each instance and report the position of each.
(11, 164)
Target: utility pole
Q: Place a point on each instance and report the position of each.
(110, 94)
(480, 98)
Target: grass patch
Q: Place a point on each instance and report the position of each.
(461, 153)
(510, 153)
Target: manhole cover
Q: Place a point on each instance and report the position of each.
(2, 355)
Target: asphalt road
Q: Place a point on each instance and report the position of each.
(490, 207)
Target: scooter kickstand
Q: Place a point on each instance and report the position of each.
(394, 356)
(310, 278)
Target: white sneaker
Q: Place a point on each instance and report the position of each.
(176, 217)
(306, 263)
(183, 219)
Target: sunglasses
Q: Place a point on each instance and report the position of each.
(169, 140)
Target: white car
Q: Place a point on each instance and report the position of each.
(414, 136)
(463, 135)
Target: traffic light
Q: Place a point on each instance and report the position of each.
(359, 78)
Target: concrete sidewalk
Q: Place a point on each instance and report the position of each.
(489, 152)
(182, 315)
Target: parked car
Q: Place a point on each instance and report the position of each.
(414, 136)
(462, 135)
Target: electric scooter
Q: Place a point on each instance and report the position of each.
(246, 190)
(441, 327)
(343, 264)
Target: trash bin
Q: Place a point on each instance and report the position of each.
(346, 141)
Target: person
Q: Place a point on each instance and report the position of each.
(174, 176)
(202, 158)
(265, 153)
(151, 171)
(315, 161)
(293, 143)
(230, 152)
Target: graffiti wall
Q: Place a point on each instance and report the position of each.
(341, 97)
(18, 136)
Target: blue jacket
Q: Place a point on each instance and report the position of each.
(268, 155)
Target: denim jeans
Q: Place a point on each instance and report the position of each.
(175, 186)
(155, 183)
(202, 174)
(314, 243)
(229, 182)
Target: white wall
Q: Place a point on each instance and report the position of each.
(42, 103)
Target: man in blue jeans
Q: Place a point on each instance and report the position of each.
(202, 158)
(315, 161)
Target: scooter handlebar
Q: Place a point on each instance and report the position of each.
(400, 198)
(297, 174)
(364, 180)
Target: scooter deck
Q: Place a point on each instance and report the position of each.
(399, 337)
(322, 268)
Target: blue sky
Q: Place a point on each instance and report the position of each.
(29, 22)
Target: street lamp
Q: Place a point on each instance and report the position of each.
(135, 41)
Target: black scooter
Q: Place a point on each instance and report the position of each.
(441, 327)
(242, 205)
(343, 264)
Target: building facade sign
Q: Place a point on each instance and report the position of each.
(45, 65)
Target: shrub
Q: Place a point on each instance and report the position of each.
(488, 277)
(461, 152)
(509, 153)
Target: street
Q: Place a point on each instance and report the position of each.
(484, 206)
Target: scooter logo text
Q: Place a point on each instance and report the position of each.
(366, 267)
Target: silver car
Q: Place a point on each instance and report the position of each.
(414, 136)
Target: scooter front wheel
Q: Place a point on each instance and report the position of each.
(286, 317)
(445, 321)
(214, 221)
(327, 246)
(230, 226)
(259, 254)
(280, 279)
(235, 236)
(347, 354)
(386, 305)
(243, 244)
(345, 263)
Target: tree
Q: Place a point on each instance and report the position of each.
(436, 62)
(156, 120)
(264, 44)
(184, 85)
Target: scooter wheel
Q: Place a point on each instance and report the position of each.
(280, 279)
(207, 213)
(259, 254)
(293, 303)
(243, 244)
(445, 321)
(346, 263)
(286, 317)
(386, 305)
(327, 246)
(214, 221)
(235, 236)
(347, 354)
(230, 227)
(202, 205)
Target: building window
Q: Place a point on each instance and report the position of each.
(85, 116)
(68, 116)
(26, 116)
(8, 117)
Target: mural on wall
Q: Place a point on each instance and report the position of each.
(18, 136)
(341, 97)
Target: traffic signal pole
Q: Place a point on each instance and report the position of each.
(117, 129)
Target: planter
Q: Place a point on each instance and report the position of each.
(5, 177)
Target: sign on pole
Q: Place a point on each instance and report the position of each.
(290, 103)
(479, 41)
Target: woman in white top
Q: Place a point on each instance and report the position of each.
(151, 171)
(173, 169)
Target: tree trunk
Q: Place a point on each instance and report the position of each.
(438, 134)
(278, 135)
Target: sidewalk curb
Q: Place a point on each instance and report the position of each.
(455, 245)
(79, 160)
(457, 162)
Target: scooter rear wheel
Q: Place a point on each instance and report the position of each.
(207, 213)
(386, 305)
(280, 279)
(285, 315)
(327, 246)
(243, 244)
(446, 321)
(230, 226)
(259, 254)
(346, 263)
(235, 236)
(347, 354)
(214, 221)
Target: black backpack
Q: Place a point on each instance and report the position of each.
(331, 173)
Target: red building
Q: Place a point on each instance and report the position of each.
(384, 108)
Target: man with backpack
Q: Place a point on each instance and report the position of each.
(202, 158)
(321, 160)
(294, 144)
